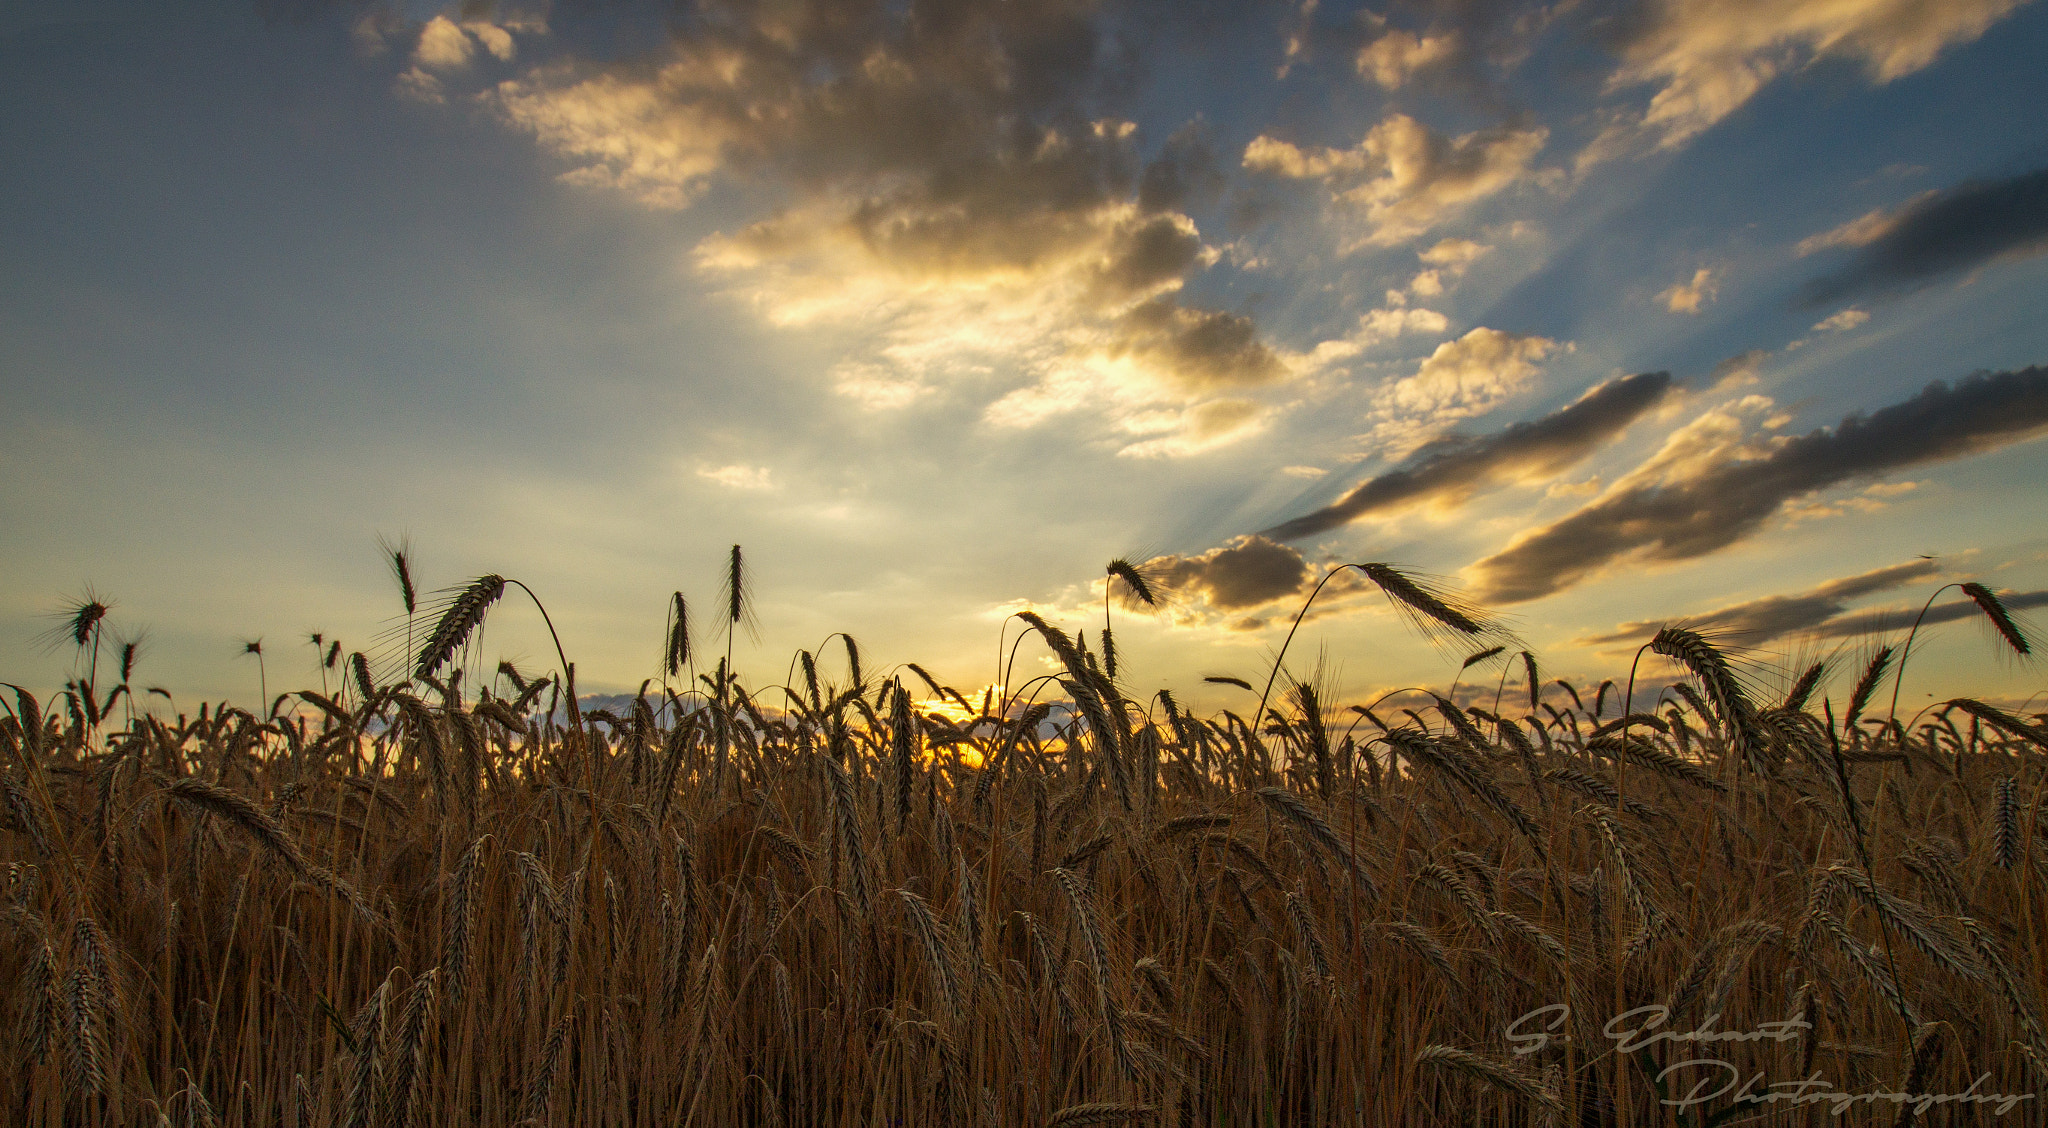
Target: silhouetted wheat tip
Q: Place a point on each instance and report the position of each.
(399, 557)
(1124, 570)
(1999, 719)
(1423, 598)
(853, 671)
(1736, 714)
(1474, 659)
(1803, 686)
(2001, 618)
(1535, 681)
(1221, 679)
(1866, 685)
(676, 648)
(82, 619)
(735, 587)
(464, 615)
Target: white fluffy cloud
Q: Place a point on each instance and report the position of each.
(1460, 379)
(1472, 374)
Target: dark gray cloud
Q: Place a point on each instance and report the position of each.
(1727, 501)
(1453, 466)
(1184, 174)
(1761, 620)
(1247, 572)
(1899, 619)
(1956, 230)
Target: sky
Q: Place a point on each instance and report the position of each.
(1606, 315)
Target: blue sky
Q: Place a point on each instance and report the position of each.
(935, 308)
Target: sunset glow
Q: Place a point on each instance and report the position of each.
(1604, 321)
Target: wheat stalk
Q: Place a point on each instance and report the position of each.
(927, 930)
(241, 813)
(1073, 1116)
(460, 619)
(1491, 1073)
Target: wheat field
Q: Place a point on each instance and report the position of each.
(449, 899)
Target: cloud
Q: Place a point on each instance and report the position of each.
(1708, 57)
(1901, 618)
(1862, 231)
(416, 85)
(739, 477)
(1244, 573)
(1407, 177)
(1454, 466)
(445, 45)
(1196, 429)
(1688, 297)
(1965, 227)
(1738, 371)
(442, 44)
(1713, 490)
(1195, 351)
(1454, 254)
(1761, 620)
(1471, 375)
(1845, 320)
(1397, 56)
(956, 190)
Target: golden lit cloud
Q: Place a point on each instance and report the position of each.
(1862, 231)
(1394, 58)
(442, 44)
(1406, 177)
(1471, 375)
(1451, 468)
(1718, 480)
(944, 203)
(739, 477)
(1708, 57)
(1847, 319)
(1761, 620)
(1688, 297)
